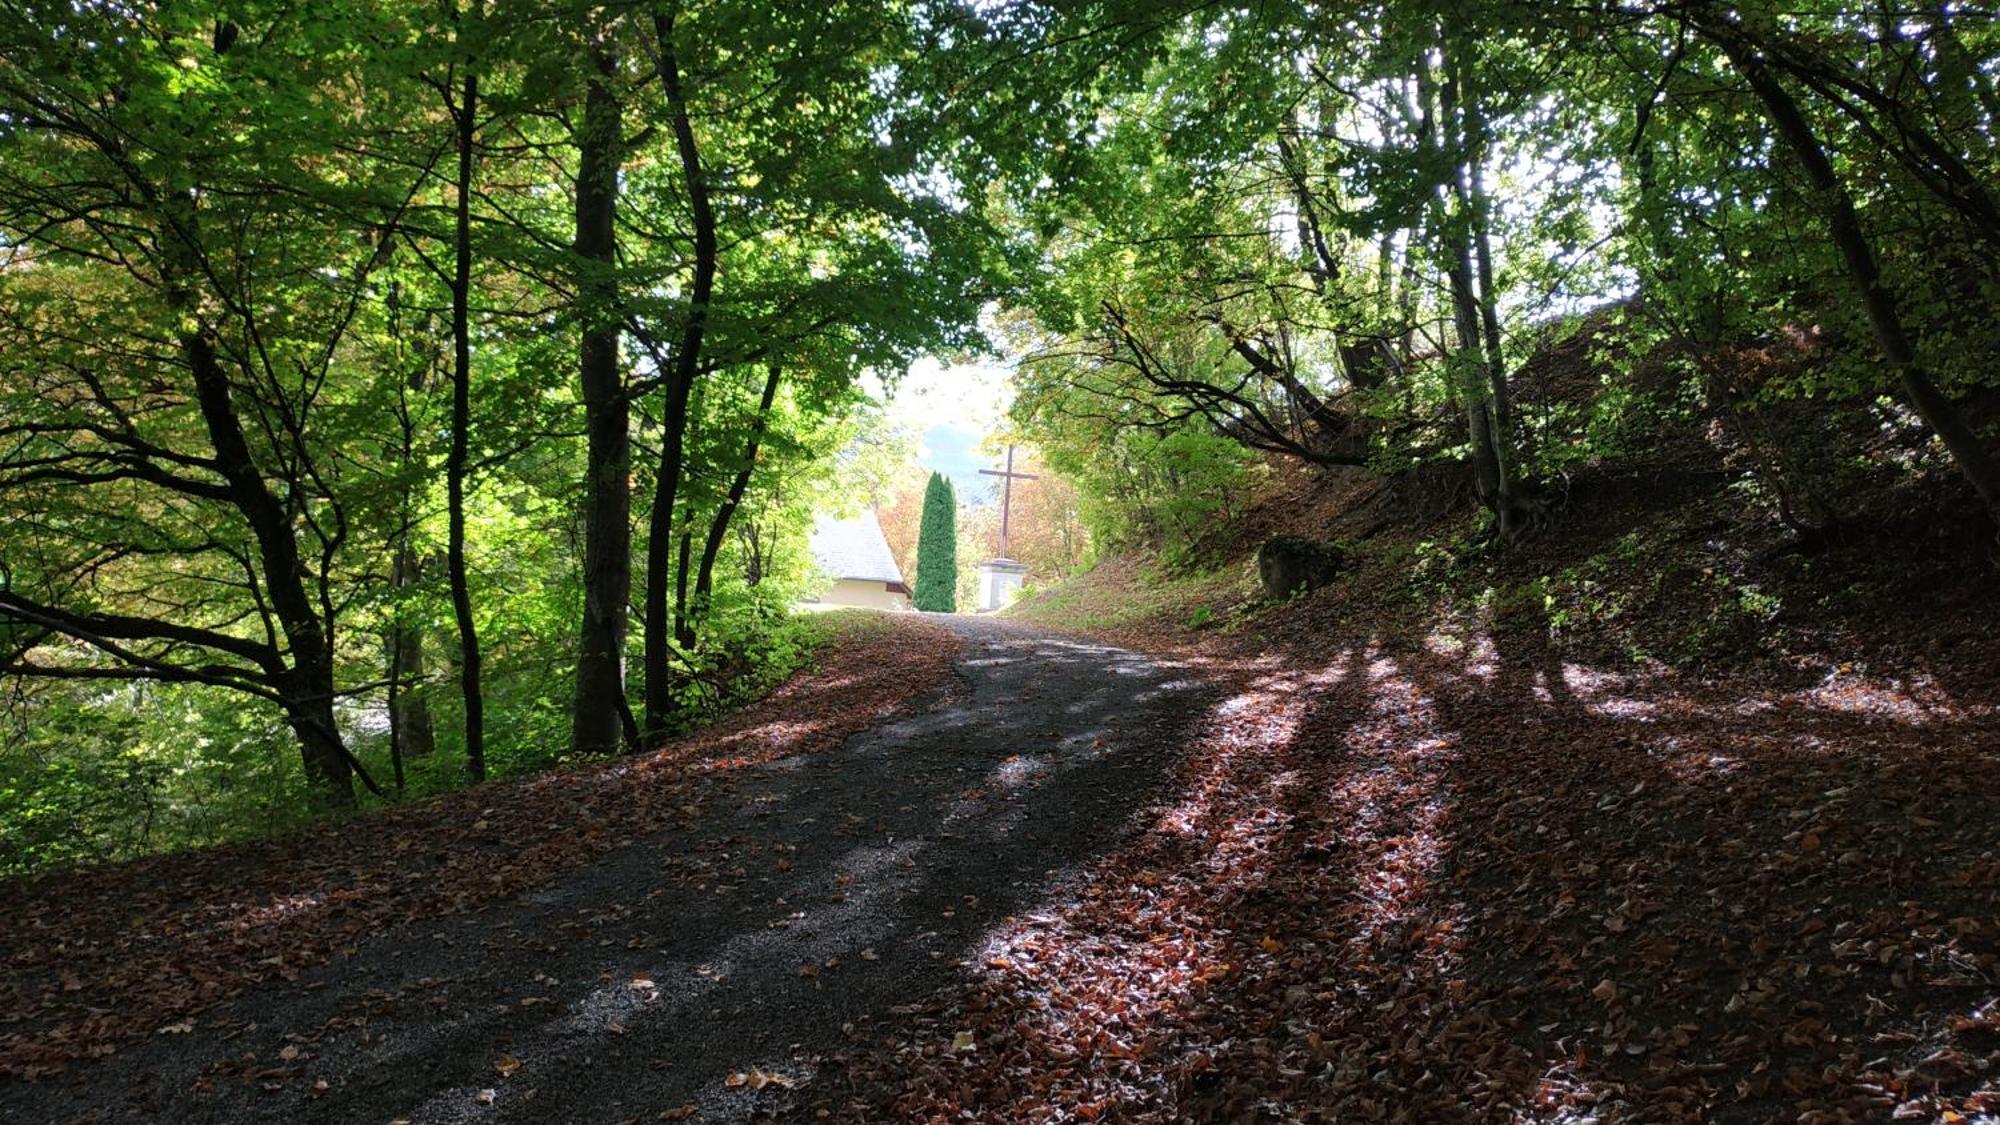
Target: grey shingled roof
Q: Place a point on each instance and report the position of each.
(853, 547)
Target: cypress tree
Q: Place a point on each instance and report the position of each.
(937, 549)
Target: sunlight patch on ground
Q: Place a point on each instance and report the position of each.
(1916, 702)
(278, 911)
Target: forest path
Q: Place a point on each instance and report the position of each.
(699, 972)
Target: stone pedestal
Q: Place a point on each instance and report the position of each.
(1000, 582)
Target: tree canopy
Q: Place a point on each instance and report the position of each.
(397, 394)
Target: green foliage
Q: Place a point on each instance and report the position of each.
(1341, 234)
(89, 775)
(1136, 484)
(279, 189)
(1276, 203)
(936, 589)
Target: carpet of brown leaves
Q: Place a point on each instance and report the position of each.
(94, 958)
(1468, 880)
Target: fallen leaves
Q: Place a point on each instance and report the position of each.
(1385, 887)
(758, 1079)
(93, 958)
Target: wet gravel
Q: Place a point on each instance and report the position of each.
(698, 972)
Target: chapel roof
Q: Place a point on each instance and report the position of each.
(854, 547)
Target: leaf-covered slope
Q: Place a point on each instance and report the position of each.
(93, 958)
(1667, 813)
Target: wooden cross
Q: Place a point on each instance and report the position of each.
(1007, 493)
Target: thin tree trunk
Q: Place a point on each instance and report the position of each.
(411, 731)
(395, 707)
(469, 661)
(687, 366)
(607, 553)
(718, 527)
(1489, 472)
(752, 538)
(1489, 307)
(1385, 275)
(683, 627)
(1472, 368)
(409, 719)
(1884, 316)
(1407, 295)
(1470, 187)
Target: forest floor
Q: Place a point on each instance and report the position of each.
(1653, 825)
(1657, 816)
(1415, 879)
(763, 892)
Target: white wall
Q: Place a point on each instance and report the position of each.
(868, 595)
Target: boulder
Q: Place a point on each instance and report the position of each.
(1290, 564)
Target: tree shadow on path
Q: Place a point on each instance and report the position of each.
(1445, 881)
(699, 968)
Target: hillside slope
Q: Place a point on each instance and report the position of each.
(1667, 813)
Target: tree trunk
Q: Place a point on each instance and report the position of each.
(607, 552)
(752, 538)
(1489, 470)
(687, 367)
(469, 664)
(1489, 308)
(683, 627)
(1884, 316)
(310, 678)
(704, 581)
(1472, 369)
(1461, 94)
(309, 711)
(412, 731)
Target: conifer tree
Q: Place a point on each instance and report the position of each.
(937, 549)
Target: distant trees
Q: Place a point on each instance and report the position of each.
(936, 589)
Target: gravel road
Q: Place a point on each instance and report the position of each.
(699, 972)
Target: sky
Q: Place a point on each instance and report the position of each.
(952, 407)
